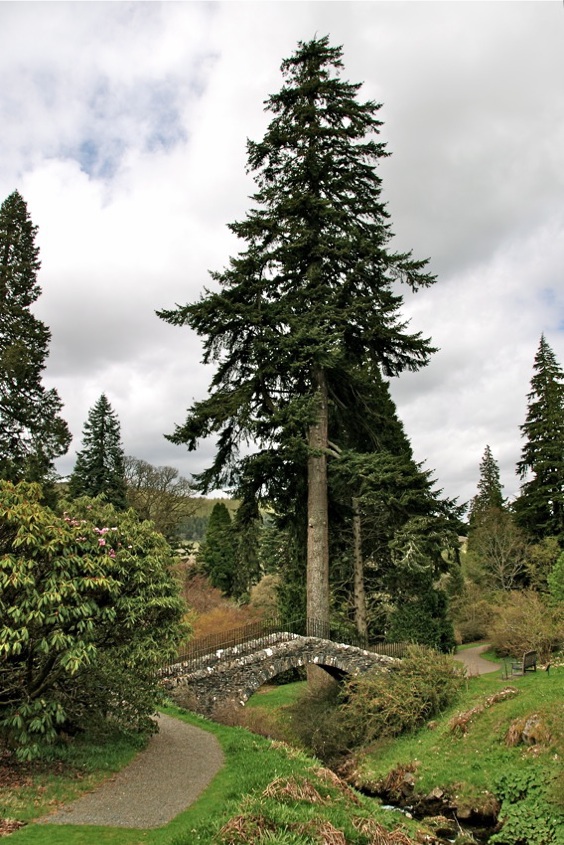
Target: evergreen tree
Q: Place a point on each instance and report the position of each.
(100, 465)
(386, 513)
(309, 304)
(497, 547)
(246, 541)
(489, 495)
(32, 432)
(540, 505)
(217, 552)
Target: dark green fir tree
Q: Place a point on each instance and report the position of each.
(540, 506)
(100, 465)
(489, 496)
(32, 432)
(308, 303)
(216, 555)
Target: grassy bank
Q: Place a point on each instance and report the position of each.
(496, 754)
(495, 750)
(267, 792)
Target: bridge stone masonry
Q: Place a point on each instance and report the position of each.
(234, 674)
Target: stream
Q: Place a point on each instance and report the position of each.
(447, 828)
(437, 811)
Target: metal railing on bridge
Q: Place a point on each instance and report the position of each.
(258, 635)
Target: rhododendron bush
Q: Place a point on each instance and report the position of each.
(88, 610)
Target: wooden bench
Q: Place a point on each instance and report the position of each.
(527, 664)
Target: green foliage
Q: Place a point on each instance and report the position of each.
(472, 611)
(540, 505)
(526, 813)
(90, 609)
(541, 558)
(556, 580)
(100, 465)
(193, 528)
(384, 704)
(33, 432)
(497, 546)
(247, 529)
(421, 615)
(217, 553)
(317, 723)
(524, 621)
(409, 537)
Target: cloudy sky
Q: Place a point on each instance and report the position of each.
(124, 124)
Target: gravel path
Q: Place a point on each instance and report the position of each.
(169, 775)
(476, 665)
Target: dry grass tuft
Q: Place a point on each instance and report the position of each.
(293, 789)
(528, 730)
(289, 750)
(244, 829)
(398, 781)
(330, 778)
(8, 826)
(378, 834)
(514, 734)
(321, 831)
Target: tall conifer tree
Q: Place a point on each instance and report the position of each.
(489, 496)
(100, 465)
(540, 505)
(309, 302)
(32, 432)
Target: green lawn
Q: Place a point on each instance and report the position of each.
(476, 759)
(262, 788)
(289, 814)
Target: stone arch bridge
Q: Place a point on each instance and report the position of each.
(235, 673)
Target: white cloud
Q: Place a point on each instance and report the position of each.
(124, 127)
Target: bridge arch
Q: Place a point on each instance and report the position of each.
(234, 676)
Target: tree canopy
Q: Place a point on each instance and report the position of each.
(33, 433)
(160, 494)
(217, 552)
(489, 493)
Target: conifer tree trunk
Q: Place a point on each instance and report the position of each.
(317, 509)
(359, 591)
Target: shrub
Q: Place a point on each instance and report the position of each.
(317, 722)
(384, 704)
(524, 621)
(89, 608)
(555, 580)
(472, 614)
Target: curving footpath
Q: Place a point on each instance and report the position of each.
(162, 781)
(474, 664)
